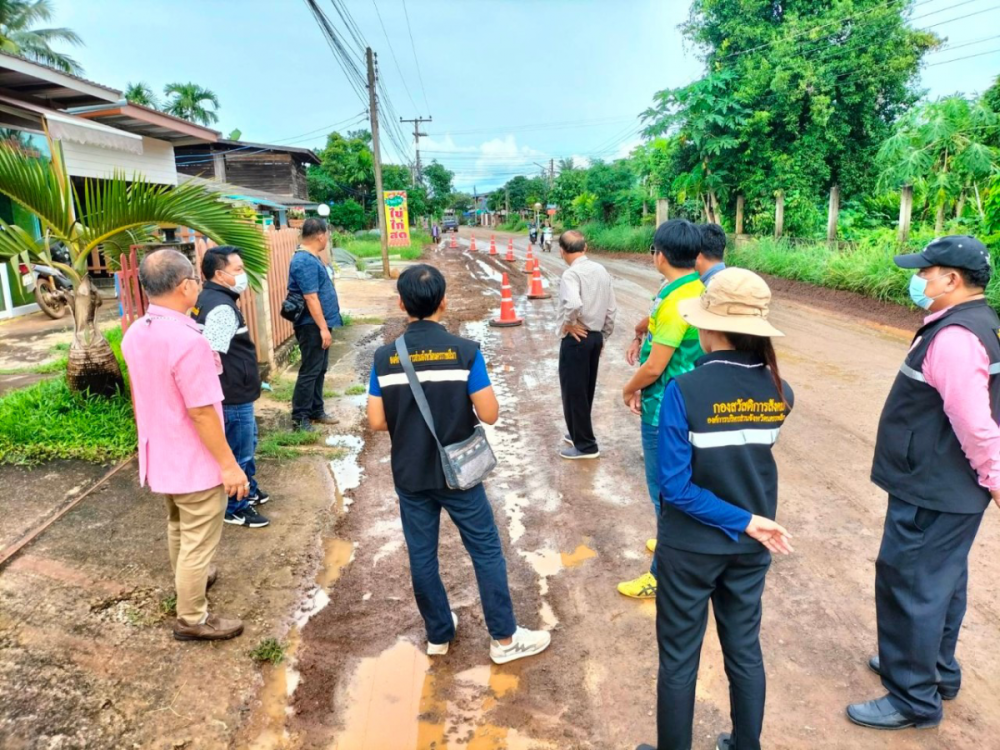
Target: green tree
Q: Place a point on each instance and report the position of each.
(141, 93)
(991, 98)
(439, 181)
(346, 170)
(191, 102)
(797, 96)
(349, 215)
(19, 35)
(398, 177)
(941, 148)
(110, 214)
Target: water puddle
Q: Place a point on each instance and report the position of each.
(281, 680)
(491, 273)
(346, 470)
(400, 700)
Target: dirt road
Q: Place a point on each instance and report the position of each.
(573, 530)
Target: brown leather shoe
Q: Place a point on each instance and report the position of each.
(214, 628)
(326, 418)
(213, 576)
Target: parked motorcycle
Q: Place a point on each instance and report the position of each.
(52, 286)
(533, 236)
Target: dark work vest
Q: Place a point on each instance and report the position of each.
(442, 362)
(240, 376)
(734, 415)
(918, 458)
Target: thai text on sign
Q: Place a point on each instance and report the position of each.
(397, 218)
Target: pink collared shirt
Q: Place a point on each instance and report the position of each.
(172, 368)
(957, 367)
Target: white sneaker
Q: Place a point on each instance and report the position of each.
(440, 649)
(524, 643)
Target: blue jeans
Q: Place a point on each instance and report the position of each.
(241, 434)
(650, 442)
(470, 511)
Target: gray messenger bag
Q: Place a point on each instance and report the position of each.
(466, 463)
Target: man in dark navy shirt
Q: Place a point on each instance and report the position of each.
(310, 277)
(452, 374)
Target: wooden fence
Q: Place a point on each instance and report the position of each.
(261, 310)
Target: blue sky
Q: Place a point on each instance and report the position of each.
(508, 82)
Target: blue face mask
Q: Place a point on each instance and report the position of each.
(918, 292)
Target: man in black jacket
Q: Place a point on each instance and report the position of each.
(937, 455)
(226, 330)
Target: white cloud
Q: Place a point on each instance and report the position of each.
(487, 165)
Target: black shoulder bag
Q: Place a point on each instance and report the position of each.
(465, 464)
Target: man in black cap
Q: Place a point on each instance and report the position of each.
(937, 454)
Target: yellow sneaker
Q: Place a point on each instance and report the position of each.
(651, 545)
(643, 587)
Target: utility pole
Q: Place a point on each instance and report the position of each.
(417, 173)
(377, 154)
(552, 172)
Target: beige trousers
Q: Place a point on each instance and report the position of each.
(194, 527)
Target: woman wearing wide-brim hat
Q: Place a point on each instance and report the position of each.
(719, 496)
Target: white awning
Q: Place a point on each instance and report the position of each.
(63, 127)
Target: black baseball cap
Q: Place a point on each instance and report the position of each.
(953, 251)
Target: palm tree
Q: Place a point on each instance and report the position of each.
(18, 37)
(189, 102)
(141, 93)
(110, 214)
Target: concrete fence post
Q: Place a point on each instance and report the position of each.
(905, 211)
(662, 210)
(779, 214)
(833, 214)
(265, 340)
(740, 204)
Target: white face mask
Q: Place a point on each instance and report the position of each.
(242, 282)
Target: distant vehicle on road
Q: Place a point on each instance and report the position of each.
(449, 222)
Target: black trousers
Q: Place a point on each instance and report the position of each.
(307, 398)
(578, 361)
(920, 594)
(686, 581)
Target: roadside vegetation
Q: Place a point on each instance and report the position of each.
(48, 421)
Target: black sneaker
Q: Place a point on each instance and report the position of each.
(249, 517)
(304, 426)
(259, 499)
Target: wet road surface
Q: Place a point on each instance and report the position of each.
(573, 530)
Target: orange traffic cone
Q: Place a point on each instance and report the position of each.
(472, 244)
(510, 251)
(507, 316)
(493, 246)
(537, 291)
(454, 241)
(529, 262)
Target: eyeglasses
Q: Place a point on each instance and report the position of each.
(652, 249)
(195, 279)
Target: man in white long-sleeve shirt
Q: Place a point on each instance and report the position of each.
(587, 317)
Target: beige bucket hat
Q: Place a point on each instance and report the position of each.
(736, 301)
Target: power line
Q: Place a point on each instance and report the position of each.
(393, 53)
(966, 57)
(413, 46)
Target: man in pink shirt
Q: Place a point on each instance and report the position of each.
(937, 454)
(183, 453)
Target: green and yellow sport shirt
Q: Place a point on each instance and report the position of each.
(668, 328)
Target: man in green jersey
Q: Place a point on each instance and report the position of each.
(666, 346)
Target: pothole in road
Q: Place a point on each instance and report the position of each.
(400, 699)
(549, 562)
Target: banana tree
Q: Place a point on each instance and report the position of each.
(110, 215)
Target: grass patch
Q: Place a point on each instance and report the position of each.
(63, 347)
(168, 606)
(269, 650)
(43, 368)
(294, 355)
(347, 319)
(47, 421)
(618, 238)
(371, 247)
(282, 390)
(355, 390)
(282, 444)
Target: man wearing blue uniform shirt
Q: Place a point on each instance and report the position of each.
(311, 278)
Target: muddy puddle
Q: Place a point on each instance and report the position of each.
(401, 700)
